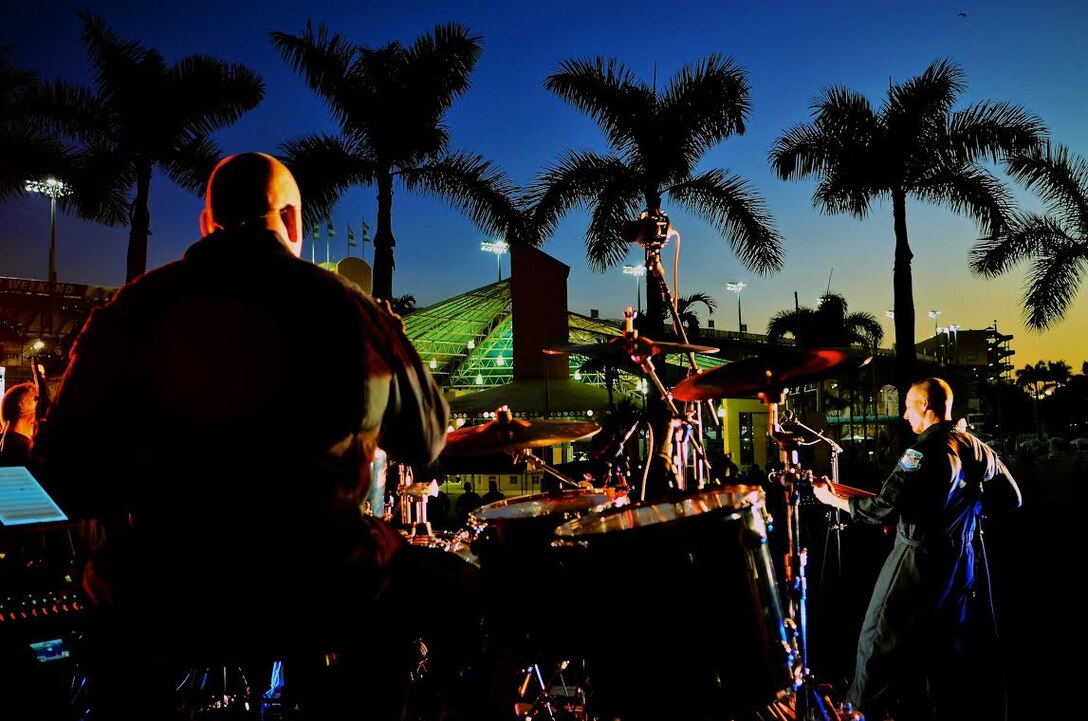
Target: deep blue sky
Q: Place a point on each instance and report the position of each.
(1027, 53)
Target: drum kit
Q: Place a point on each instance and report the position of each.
(658, 599)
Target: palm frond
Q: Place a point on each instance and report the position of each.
(190, 164)
(574, 180)
(324, 167)
(1027, 235)
(706, 103)
(1052, 283)
(993, 130)
(1060, 179)
(210, 94)
(608, 92)
(969, 190)
(730, 205)
(477, 188)
(614, 205)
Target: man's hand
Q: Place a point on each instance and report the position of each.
(824, 494)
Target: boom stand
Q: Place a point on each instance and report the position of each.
(809, 704)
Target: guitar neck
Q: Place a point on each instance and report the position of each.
(849, 491)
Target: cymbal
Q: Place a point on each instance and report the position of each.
(626, 347)
(772, 371)
(513, 434)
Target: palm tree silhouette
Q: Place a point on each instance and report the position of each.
(916, 146)
(144, 113)
(1055, 245)
(390, 103)
(828, 325)
(685, 310)
(657, 139)
(28, 151)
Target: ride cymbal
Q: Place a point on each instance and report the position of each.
(770, 372)
(507, 433)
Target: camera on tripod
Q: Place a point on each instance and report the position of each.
(651, 229)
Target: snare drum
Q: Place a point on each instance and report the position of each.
(673, 577)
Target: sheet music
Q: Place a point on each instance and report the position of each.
(23, 501)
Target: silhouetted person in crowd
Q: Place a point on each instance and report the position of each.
(493, 493)
(467, 502)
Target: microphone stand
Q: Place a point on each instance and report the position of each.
(834, 516)
(810, 704)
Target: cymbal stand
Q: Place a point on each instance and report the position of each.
(674, 444)
(810, 704)
(652, 243)
(526, 455)
(835, 521)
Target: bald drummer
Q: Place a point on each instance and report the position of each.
(228, 406)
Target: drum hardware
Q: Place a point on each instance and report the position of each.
(676, 436)
(547, 702)
(768, 378)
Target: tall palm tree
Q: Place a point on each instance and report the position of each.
(144, 113)
(915, 146)
(390, 103)
(657, 139)
(1055, 245)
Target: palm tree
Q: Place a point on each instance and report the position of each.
(657, 139)
(390, 103)
(27, 151)
(685, 311)
(1040, 380)
(915, 146)
(830, 324)
(403, 304)
(1056, 244)
(144, 113)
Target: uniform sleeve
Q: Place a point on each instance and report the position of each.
(1000, 492)
(881, 508)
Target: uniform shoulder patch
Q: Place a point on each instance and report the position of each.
(911, 460)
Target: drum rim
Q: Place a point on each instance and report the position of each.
(487, 514)
(595, 523)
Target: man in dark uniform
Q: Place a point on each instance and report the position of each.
(228, 406)
(910, 651)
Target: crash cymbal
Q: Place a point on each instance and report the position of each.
(507, 433)
(626, 347)
(770, 372)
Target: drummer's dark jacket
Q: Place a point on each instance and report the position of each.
(228, 403)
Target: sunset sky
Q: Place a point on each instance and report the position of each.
(1026, 53)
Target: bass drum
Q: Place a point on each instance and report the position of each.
(695, 626)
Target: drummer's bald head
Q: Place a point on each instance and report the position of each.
(254, 190)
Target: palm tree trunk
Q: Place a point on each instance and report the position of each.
(383, 238)
(903, 300)
(139, 224)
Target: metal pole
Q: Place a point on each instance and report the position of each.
(52, 238)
